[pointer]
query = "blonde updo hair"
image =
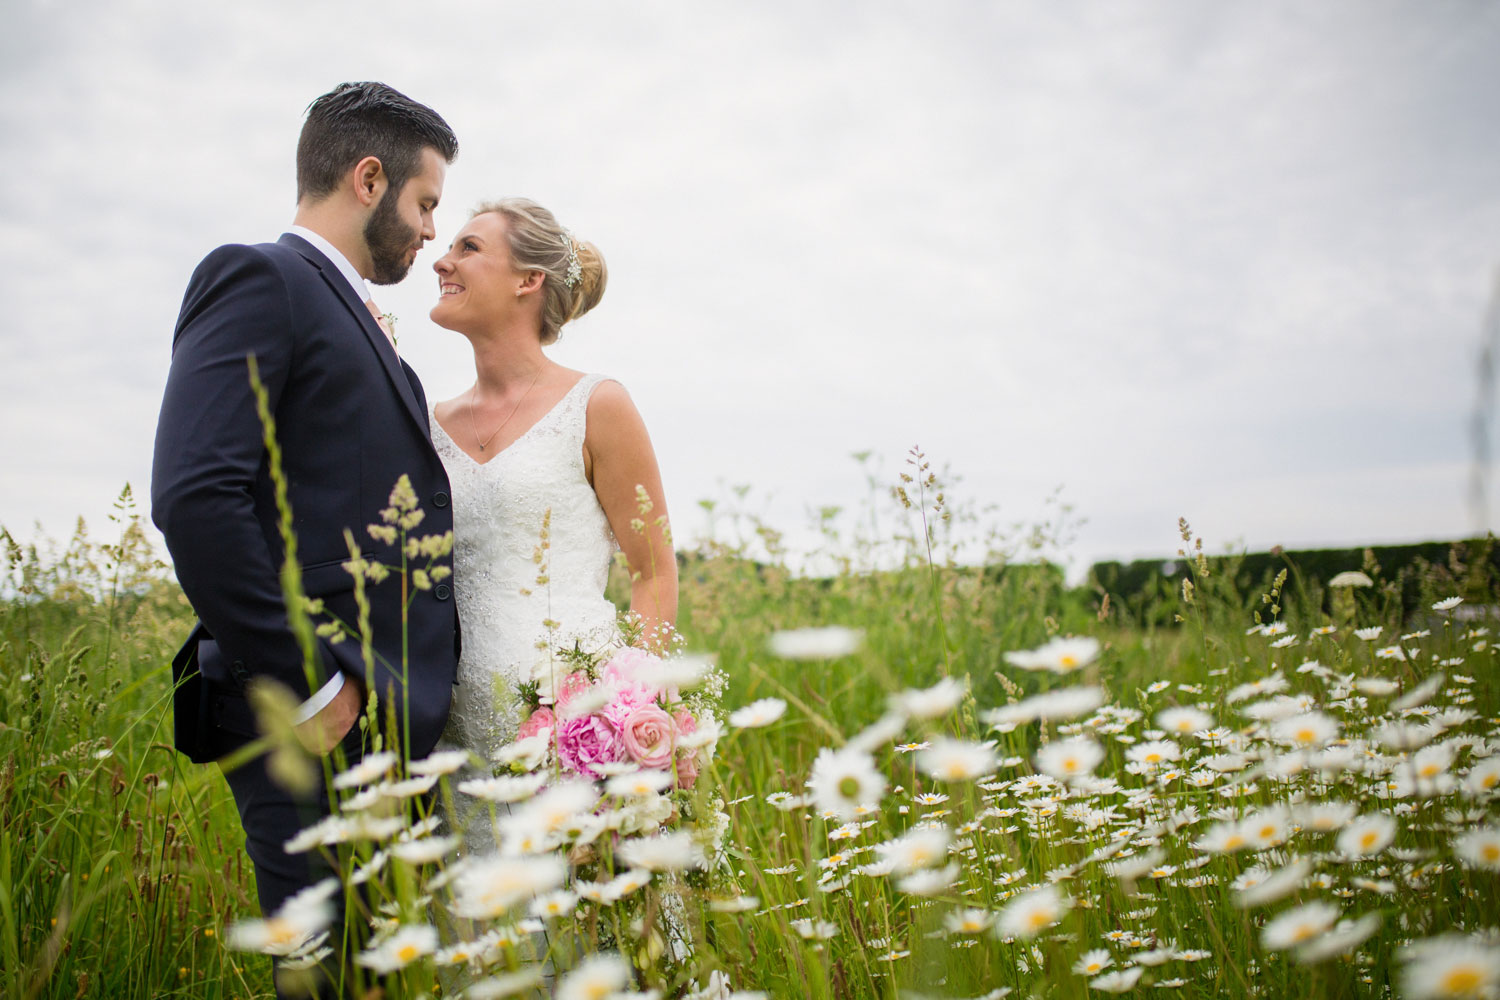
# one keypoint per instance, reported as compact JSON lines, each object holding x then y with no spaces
{"x":538,"y":242}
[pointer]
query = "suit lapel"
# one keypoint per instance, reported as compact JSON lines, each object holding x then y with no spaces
{"x":361,"y":315}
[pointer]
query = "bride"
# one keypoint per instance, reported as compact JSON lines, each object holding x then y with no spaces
{"x":550,"y":469}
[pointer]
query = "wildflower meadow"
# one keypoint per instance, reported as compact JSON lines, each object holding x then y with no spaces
{"x":912,"y":761}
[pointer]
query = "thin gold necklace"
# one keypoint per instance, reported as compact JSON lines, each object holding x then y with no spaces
{"x":475,"y":427}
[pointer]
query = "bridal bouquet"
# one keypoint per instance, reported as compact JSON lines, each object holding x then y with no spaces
{"x":601,"y":717}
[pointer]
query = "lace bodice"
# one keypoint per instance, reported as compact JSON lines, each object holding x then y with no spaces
{"x":499,"y":508}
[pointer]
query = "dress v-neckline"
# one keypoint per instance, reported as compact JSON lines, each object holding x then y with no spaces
{"x":523,"y":435}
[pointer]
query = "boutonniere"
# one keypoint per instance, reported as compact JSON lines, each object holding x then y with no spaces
{"x":389,"y":319}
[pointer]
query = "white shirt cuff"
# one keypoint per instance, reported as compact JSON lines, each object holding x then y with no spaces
{"x":320,"y":698}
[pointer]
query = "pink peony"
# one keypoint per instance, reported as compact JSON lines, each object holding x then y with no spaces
{"x":650,"y":736}
{"x":541,"y":719}
{"x":587,"y":741}
{"x":625,"y":703}
{"x":571,"y":687}
{"x":624,"y":670}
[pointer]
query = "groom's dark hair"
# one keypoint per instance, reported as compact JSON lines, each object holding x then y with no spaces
{"x":355,"y":120}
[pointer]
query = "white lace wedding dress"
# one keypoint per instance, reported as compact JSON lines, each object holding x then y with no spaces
{"x":511,"y":622}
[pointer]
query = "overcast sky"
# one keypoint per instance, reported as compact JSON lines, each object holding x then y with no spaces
{"x":1226,"y":260}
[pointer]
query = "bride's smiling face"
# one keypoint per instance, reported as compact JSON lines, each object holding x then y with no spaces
{"x":477,"y":284}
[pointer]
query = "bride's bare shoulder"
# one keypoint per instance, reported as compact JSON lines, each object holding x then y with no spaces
{"x":609,"y":400}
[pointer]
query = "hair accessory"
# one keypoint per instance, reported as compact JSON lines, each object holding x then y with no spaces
{"x":575,"y":270}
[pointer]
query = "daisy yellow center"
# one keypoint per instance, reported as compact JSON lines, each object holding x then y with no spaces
{"x":1431,"y":770}
{"x":971,"y":925}
{"x":1306,"y":736}
{"x":279,"y":932}
{"x":1368,"y":839}
{"x":1490,"y":852}
{"x":1153,"y":757}
{"x":1460,"y":981}
{"x":1093,"y":967}
{"x":1070,"y":763}
{"x":1490,"y":780}
{"x":407,"y":952}
{"x":1039,"y":919}
{"x":1304,"y":932}
{"x":849,"y":787}
{"x":1232,"y":841}
{"x":1067,"y":661}
{"x":1267,"y":832}
{"x":956,"y":769}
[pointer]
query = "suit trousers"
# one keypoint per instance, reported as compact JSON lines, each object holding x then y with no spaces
{"x":271,"y":816}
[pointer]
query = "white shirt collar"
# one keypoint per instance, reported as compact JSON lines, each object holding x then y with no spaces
{"x":341,"y":262}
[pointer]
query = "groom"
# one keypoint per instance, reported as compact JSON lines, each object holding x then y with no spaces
{"x":351,"y":418}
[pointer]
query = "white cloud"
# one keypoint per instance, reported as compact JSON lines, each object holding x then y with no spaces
{"x":1184,"y":260}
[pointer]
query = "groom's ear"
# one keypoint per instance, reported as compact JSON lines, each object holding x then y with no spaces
{"x":370,"y":180}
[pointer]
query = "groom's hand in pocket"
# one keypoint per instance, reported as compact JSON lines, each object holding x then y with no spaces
{"x":324,"y":731}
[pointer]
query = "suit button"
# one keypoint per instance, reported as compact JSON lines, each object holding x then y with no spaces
{"x":440,"y":499}
{"x":240,"y":671}
{"x":441,"y":592}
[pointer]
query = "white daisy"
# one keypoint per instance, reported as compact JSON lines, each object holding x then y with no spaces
{"x":493,"y":884}
{"x":367,"y":770}
{"x":1070,"y":759}
{"x":1060,"y":656}
{"x":400,"y":949}
{"x":827,"y":643}
{"x":1450,"y":966}
{"x":930,"y":703}
{"x":1479,"y":848}
{"x":1340,"y":940}
{"x":1298,"y":925}
{"x":1120,"y":981}
{"x":1369,"y":834}
{"x":843,"y":780}
{"x":918,"y":848}
{"x":595,"y":978}
{"x":1028,"y":914}
{"x":1184,"y":720}
{"x":440,"y":762}
{"x":662,"y":852}
{"x":957,"y":760}
{"x":757,"y":713}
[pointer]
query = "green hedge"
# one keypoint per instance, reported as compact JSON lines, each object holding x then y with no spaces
{"x":1412,"y":575}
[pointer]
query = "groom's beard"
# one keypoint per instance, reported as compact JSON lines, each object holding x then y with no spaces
{"x":389,"y":239}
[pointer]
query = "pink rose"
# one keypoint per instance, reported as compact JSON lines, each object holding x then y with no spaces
{"x":585,"y":742}
{"x":687,"y":769}
{"x":687,"y":764}
{"x":650,"y":736}
{"x":541,"y":719}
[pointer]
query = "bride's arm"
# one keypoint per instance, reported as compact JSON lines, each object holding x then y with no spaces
{"x":618,"y":460}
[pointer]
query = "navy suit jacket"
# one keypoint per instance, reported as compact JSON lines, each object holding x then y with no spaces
{"x":351,"y":418}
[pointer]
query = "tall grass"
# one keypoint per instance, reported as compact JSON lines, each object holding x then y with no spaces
{"x":120,"y":867}
{"x":119,"y":862}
